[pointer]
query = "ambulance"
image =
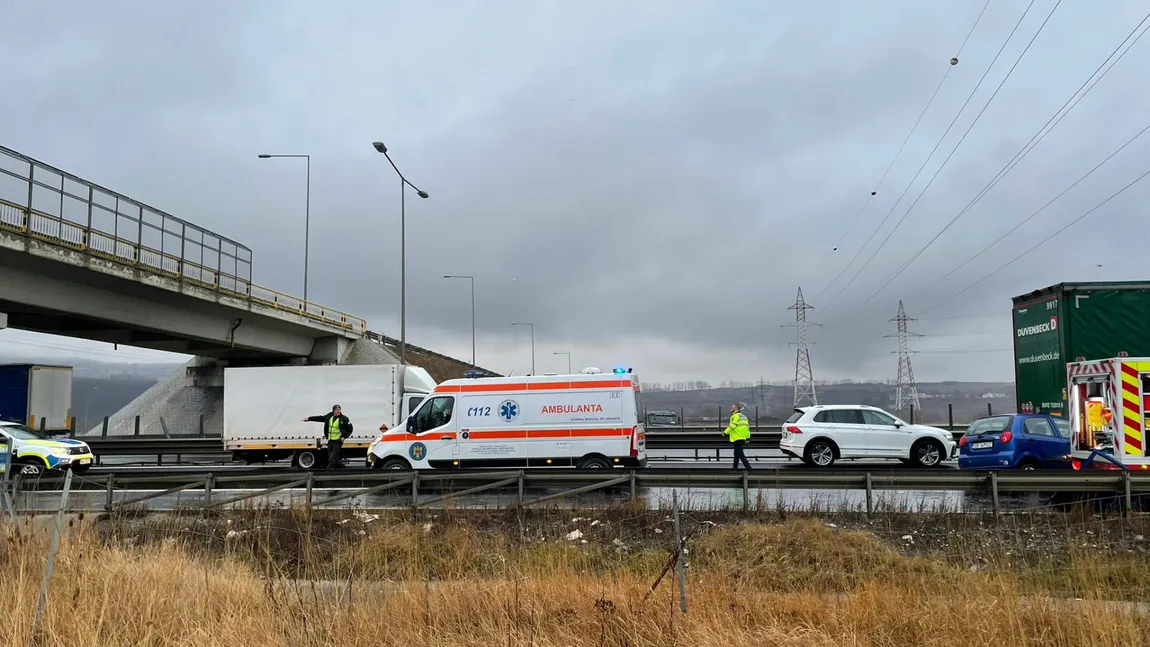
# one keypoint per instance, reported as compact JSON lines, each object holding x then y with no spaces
{"x":1108,"y":405}
{"x":589,"y":420}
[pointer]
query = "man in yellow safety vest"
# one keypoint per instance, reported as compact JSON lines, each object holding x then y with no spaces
{"x":738,"y":431}
{"x":336,"y":427}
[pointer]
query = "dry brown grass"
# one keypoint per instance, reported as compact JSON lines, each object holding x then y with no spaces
{"x":797,"y":582}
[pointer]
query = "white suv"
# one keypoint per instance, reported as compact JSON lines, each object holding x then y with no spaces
{"x":821,"y":435}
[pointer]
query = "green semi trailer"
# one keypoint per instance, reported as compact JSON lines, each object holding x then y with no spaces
{"x":1072,"y":322}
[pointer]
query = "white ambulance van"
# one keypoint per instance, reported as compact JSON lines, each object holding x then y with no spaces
{"x":588,"y":420}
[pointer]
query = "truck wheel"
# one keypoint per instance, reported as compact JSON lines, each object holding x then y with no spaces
{"x":395,"y":464}
{"x":307,"y":459}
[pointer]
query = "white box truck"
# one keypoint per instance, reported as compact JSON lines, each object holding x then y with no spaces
{"x":264,"y":408}
{"x":37,"y":396}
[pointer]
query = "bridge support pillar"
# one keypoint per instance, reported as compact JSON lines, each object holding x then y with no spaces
{"x":328,"y":350}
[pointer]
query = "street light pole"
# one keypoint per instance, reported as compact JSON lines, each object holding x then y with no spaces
{"x":403,"y":184}
{"x":472,"y":280}
{"x":306,"y":218}
{"x":568,"y":361}
{"x":532,"y":327}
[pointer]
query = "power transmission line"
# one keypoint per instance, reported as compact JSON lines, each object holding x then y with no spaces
{"x":976,"y":350}
{"x":1017,"y":226}
{"x":894,"y":206}
{"x":1038,"y":136}
{"x":958,"y":144}
{"x":1040,"y":243}
{"x":897,"y":154}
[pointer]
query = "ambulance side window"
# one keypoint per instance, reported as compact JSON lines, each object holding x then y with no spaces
{"x":434,"y":413}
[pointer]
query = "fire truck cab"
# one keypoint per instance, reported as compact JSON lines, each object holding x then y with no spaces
{"x":1109,"y":402}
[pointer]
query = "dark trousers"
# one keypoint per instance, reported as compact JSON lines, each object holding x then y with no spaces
{"x":739,"y":455}
{"x":334,"y":449}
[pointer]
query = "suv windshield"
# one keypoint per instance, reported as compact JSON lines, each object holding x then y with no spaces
{"x":20,"y":432}
{"x":992,"y":425}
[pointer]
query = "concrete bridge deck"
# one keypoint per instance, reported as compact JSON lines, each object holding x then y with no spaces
{"x":80,"y":260}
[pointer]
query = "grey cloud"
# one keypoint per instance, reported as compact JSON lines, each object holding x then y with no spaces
{"x":651,"y":183}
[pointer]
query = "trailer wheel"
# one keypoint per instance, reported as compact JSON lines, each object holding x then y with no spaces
{"x":307,"y":459}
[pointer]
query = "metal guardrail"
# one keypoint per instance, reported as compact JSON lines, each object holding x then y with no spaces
{"x":572,"y":482}
{"x":57,"y":207}
{"x":690,"y":437}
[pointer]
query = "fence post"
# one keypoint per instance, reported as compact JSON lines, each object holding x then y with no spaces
{"x":994,"y":492}
{"x":137,"y":424}
{"x":7,"y":496}
{"x":201,"y":425}
{"x":680,"y":571}
{"x":950,"y":416}
{"x":39,"y":620}
{"x":869,"y":495}
{"x":912,"y":414}
{"x":989,"y":409}
{"x":682,"y":419}
{"x":1127,"y":498}
{"x":756,"y":418}
{"x":209,"y":484}
{"x":634,"y":487}
{"x":308,"y":490}
{"x":104,"y":428}
{"x":110,"y":492}
{"x":43,"y":425}
{"x":522,"y":487}
{"x":746,"y":493}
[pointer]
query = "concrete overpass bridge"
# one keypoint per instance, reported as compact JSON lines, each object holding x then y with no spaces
{"x":80,"y":260}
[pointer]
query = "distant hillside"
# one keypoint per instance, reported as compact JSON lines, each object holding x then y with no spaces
{"x":774,"y":402}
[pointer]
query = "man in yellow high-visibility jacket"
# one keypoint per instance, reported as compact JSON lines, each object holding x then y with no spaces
{"x":738,"y":431}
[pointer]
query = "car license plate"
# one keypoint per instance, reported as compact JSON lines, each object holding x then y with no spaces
{"x":85,"y":461}
{"x":983,"y":445}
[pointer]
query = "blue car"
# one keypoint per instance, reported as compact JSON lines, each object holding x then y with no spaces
{"x":1023,"y":441}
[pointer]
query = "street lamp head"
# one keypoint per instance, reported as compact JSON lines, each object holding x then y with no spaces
{"x":423,"y":194}
{"x":264,"y":156}
{"x":380,"y":147}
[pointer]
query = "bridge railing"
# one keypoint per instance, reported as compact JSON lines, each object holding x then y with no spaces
{"x":51,"y":205}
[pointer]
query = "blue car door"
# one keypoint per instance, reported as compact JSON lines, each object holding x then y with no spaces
{"x":1043,"y":440}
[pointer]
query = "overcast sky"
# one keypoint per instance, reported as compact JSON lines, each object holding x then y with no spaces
{"x":647,"y":182}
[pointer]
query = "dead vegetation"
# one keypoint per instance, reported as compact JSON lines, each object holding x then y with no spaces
{"x":556,"y":577}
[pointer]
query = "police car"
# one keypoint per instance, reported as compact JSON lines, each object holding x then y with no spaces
{"x":33,"y":453}
{"x":588,"y":420}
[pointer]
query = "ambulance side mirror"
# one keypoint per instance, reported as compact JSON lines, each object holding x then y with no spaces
{"x":412,"y":425}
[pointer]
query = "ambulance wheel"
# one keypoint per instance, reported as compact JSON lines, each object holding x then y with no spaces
{"x":594,"y":463}
{"x":307,"y":459}
{"x":396,"y":464}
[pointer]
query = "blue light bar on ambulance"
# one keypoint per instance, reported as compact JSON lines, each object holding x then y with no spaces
{"x":620,"y":371}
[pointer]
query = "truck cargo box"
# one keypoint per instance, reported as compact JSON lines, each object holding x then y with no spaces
{"x":1073,"y":322}
{"x":264,"y":406}
{"x":37,"y":395}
